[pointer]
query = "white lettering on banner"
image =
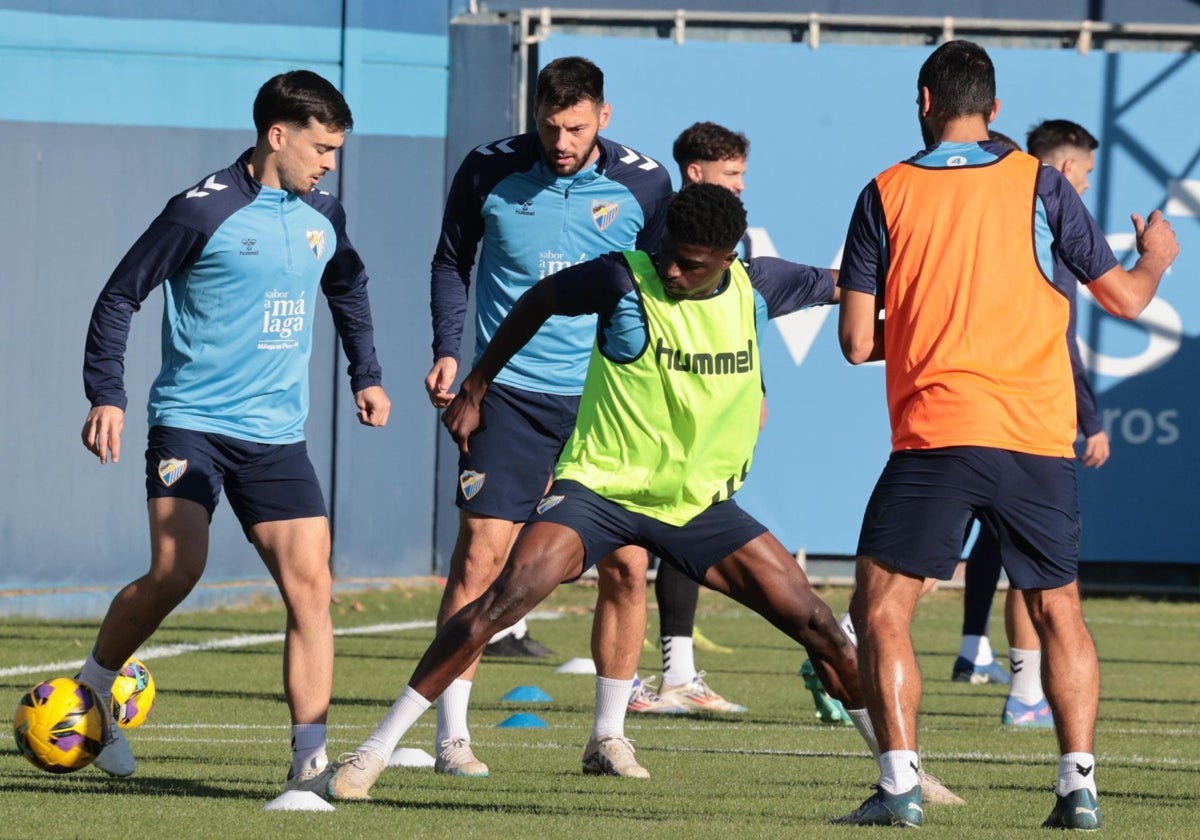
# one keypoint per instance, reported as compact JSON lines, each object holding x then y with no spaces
{"x":1138,"y":426}
{"x":1183,"y":198}
{"x":798,"y":329}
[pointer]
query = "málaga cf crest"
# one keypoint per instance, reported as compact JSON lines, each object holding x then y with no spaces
{"x":548,"y":502}
{"x":471,"y":483}
{"x":604,"y":213}
{"x":316,"y":242}
{"x":171,"y":470}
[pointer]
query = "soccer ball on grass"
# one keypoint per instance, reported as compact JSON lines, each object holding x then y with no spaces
{"x":132,"y":694}
{"x":59,"y":725}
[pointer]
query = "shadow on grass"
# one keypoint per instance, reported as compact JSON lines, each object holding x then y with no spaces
{"x":610,"y":808}
{"x":37,"y":628}
{"x":93,"y":783}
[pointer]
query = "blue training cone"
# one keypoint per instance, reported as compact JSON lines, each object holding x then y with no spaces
{"x":525,"y":720}
{"x":527,"y":694}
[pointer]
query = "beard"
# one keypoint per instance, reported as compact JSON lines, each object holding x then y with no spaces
{"x":296,"y":184}
{"x":927,"y":133}
{"x":576,"y":163}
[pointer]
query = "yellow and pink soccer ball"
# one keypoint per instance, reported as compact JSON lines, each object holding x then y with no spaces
{"x":132,"y":694}
{"x":59,"y":725}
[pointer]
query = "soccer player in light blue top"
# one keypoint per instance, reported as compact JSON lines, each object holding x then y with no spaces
{"x":242,"y":255}
{"x":530,"y":206}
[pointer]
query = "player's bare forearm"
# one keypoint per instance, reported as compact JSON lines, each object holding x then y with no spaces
{"x":860,"y":329}
{"x":1126,"y":293}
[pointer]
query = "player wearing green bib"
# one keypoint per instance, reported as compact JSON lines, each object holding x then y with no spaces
{"x":637,"y":449}
{"x":666,"y":428}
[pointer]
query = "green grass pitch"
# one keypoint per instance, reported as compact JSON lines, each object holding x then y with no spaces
{"x":215,"y":749}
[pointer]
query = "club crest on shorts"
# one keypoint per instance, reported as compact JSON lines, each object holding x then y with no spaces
{"x":471,"y":483}
{"x":604,"y":213}
{"x":171,"y":470}
{"x":316,"y":242}
{"x":548,"y":502}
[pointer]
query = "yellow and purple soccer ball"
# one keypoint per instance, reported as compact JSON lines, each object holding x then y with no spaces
{"x":59,"y":725}
{"x":132,"y":694}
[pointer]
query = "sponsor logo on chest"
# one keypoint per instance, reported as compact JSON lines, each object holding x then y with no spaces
{"x":284,"y":318}
{"x":706,"y":363}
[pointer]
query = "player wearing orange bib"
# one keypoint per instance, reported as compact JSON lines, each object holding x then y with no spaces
{"x":957,"y":245}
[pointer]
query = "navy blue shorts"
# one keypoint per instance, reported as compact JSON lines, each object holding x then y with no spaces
{"x":513,"y":452}
{"x":924,"y":501}
{"x":605,"y":526}
{"x":264,"y":482}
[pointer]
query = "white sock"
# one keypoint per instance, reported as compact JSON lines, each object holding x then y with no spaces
{"x":977,"y":649}
{"x":848,"y":628}
{"x":862,"y":722}
{"x":404,"y":713}
{"x":1075,"y":771}
{"x":452,"y":712}
{"x":899,"y":771}
{"x":99,"y":679}
{"x":679,"y":660}
{"x":308,"y":747}
{"x":518,"y":631}
{"x":612,"y":699}
{"x":1026,"y":667}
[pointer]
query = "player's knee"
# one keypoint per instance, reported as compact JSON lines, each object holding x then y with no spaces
{"x":877,"y":616}
{"x":820,"y":625}
{"x":857,"y":609}
{"x":507,"y":603}
{"x":308,"y":594}
{"x":1059,"y":606}
{"x":621,"y":580}
{"x":480,"y":566}
{"x":176,"y":581}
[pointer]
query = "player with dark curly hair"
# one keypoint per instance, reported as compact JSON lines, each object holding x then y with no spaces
{"x":664,"y":437}
{"x":693,"y":219}
{"x":708,"y":153}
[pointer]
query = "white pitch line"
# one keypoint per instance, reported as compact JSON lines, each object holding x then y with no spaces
{"x":165,"y":651}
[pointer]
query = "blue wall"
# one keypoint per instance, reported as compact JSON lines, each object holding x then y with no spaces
{"x":108,"y":107}
{"x":822,"y":124}
{"x":106,"y":110}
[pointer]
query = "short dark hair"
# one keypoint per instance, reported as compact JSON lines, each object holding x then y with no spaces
{"x":961,"y":80}
{"x":567,"y":81}
{"x":708,"y":215}
{"x":709,"y":141}
{"x":298,"y":96}
{"x":1051,"y":135}
{"x":1003,"y":140}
